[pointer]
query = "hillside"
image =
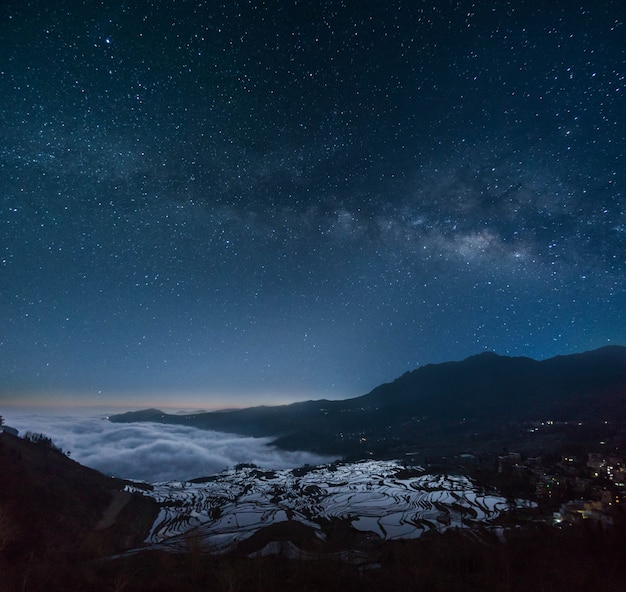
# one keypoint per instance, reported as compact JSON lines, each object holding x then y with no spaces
{"x":447,"y":403}
{"x":500,"y":387}
{"x":54,"y":511}
{"x":368,"y":502}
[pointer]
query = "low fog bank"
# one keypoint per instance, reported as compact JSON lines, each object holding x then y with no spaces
{"x":155,"y":452}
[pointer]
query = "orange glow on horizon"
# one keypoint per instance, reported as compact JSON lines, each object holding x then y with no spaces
{"x":53,"y":401}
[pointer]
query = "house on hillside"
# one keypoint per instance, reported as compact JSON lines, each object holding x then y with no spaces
{"x":576,"y":511}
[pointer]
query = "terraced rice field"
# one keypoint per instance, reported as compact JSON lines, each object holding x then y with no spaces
{"x":377,"y":497}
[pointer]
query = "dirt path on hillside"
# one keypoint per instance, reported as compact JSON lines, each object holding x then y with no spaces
{"x":120,"y":499}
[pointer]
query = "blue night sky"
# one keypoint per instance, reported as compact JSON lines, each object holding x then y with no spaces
{"x":253,"y":202}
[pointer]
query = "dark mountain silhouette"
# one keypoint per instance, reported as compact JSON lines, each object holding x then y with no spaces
{"x":485,"y":391}
{"x":499,"y":387}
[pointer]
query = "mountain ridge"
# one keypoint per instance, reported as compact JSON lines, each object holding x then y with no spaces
{"x":486,"y":389}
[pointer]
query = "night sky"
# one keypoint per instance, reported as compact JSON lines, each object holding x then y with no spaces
{"x":223,"y":204}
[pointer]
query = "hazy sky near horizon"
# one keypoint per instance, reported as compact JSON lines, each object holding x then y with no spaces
{"x":227,"y":203}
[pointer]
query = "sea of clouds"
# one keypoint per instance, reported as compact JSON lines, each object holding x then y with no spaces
{"x":155,"y":452}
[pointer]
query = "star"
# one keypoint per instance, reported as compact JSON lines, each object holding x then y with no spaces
{"x":188,"y":192}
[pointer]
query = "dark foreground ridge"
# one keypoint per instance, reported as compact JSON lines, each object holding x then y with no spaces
{"x":482,"y":402}
{"x":57,"y":513}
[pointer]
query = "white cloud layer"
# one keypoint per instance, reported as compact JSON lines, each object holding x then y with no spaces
{"x":155,"y":452}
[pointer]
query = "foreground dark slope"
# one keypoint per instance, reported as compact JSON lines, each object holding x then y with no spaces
{"x":485,"y":390}
{"x":56,"y":512}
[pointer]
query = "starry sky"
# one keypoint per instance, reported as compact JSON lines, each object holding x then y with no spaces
{"x":219,"y":204}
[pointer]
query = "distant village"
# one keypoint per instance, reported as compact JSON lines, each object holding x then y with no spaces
{"x":584,"y":488}
{"x":571,"y":488}
{"x":588,"y":486}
